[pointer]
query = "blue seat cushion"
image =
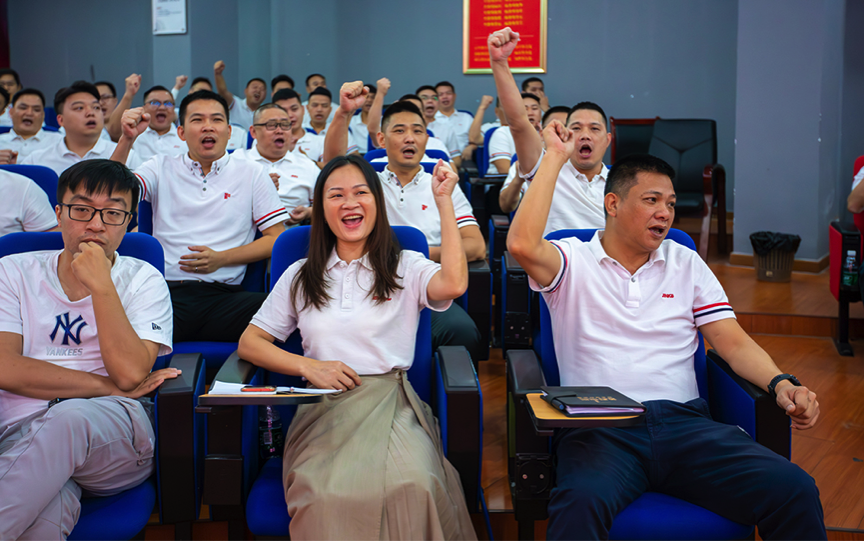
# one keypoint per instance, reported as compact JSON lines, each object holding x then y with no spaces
{"x":658,"y":516}
{"x":120,"y":516}
{"x":266,"y":510}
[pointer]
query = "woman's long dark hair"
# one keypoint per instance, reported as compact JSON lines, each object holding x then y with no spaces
{"x":311,"y":284}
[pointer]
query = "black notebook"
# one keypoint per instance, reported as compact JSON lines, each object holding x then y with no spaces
{"x":591,"y":402}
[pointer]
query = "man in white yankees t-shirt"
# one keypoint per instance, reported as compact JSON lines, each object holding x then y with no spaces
{"x":87,"y":324}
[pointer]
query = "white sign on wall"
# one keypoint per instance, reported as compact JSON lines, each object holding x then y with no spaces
{"x":169,"y":17}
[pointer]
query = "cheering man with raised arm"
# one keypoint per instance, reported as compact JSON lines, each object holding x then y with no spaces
{"x":625,"y":309}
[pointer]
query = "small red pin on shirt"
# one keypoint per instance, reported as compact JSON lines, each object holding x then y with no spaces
{"x":423,"y":207}
{"x":226,"y":195}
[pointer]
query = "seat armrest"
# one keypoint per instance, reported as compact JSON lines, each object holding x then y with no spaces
{"x":459,"y":409}
{"x":500,"y":221}
{"x":180,"y":441}
{"x":236,"y":370}
{"x":736,"y":401}
{"x":524,"y":371}
{"x":478,"y":304}
{"x":489,"y":179}
{"x":470,"y":167}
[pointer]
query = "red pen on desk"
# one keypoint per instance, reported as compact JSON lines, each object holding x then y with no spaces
{"x":254,"y":389}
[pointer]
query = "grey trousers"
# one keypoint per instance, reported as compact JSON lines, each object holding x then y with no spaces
{"x":99,"y":445}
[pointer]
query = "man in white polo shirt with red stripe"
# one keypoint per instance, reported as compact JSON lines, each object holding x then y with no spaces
{"x":625,"y":310}
{"x":206,"y":210}
{"x":409,"y":198}
{"x":579,"y":201}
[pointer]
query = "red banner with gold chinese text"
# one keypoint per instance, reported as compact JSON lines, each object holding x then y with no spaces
{"x":483,"y":17}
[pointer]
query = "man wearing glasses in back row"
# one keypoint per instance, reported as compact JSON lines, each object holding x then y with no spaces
{"x":160,"y":137}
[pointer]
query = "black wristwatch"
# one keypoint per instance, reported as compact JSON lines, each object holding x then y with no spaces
{"x":778,"y":379}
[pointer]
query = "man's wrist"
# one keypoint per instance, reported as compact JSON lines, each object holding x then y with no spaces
{"x":780,"y":381}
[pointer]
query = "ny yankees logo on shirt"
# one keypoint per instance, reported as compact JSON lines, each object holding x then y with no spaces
{"x":68,"y":328}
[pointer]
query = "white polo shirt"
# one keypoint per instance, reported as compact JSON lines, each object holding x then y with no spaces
{"x":6,"y":118}
{"x":373,"y":338}
{"x":238,"y":138}
{"x":358,"y":134}
{"x":102,"y":135}
{"x":444,"y":132}
{"x":24,"y":205}
{"x":297,"y":175}
{"x":459,"y":123}
{"x":487,"y":126}
{"x":59,"y":331}
{"x":239,"y":113}
{"x":59,"y":158}
{"x":150,"y":143}
{"x":577,"y":203}
{"x":42,"y":139}
{"x":502,"y":147}
{"x":414,"y":205}
{"x":220,"y":210}
{"x":636,"y":334}
{"x":311,"y":145}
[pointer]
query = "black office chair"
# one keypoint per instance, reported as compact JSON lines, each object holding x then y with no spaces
{"x":690,"y":146}
{"x":630,"y":136}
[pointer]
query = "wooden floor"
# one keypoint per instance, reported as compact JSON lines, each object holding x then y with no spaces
{"x":794,"y":323}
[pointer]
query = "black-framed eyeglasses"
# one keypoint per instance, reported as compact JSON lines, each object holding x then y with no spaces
{"x":156,"y":103}
{"x":271,"y":125}
{"x":85,"y":213}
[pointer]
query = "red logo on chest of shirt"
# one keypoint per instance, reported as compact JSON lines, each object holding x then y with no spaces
{"x":376,"y":298}
{"x":423,"y":207}
{"x":226,"y":195}
{"x":666,"y":295}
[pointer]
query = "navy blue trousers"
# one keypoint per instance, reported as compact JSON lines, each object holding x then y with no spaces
{"x":682,"y":452}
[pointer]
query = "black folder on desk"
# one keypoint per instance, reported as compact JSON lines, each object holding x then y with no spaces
{"x":588,"y":402}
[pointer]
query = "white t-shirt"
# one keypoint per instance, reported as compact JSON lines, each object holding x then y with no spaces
{"x":240,"y":113}
{"x":6,"y":118}
{"x":501,"y":148}
{"x":55,"y":329}
{"x":458,"y":123}
{"x":59,"y":158}
{"x":577,"y":203}
{"x":373,"y":338}
{"x":220,"y":210}
{"x":24,"y":205}
{"x":24,"y":147}
{"x":414,"y":205}
{"x":636,"y":334}
{"x":238,"y":138}
{"x":150,"y":143}
{"x":297,"y":175}
{"x":858,"y":177}
{"x":486,"y":126}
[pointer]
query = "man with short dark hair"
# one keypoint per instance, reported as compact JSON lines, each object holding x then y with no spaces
{"x":279,"y":82}
{"x":160,"y":137}
{"x":241,"y":110}
{"x":357,"y":129}
{"x":625,"y":310}
{"x":293,"y":174}
{"x":308,"y":144}
{"x":207,"y":208}
{"x":79,"y":113}
{"x":107,"y":99}
{"x":457,"y":122}
{"x":579,"y":201}
{"x":11,"y":84}
{"x":535,"y":86}
{"x":319,"y":109}
{"x":26,"y":136}
{"x":80,"y":329}
{"x":430,"y":107}
{"x":313,"y":81}
{"x":408,"y":197}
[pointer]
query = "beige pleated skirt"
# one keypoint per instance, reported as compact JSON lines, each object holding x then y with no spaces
{"x":368,"y":464}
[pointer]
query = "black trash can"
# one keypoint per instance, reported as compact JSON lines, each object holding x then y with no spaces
{"x":773,"y":255}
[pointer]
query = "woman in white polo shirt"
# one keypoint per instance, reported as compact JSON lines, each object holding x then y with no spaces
{"x":366,"y":463}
